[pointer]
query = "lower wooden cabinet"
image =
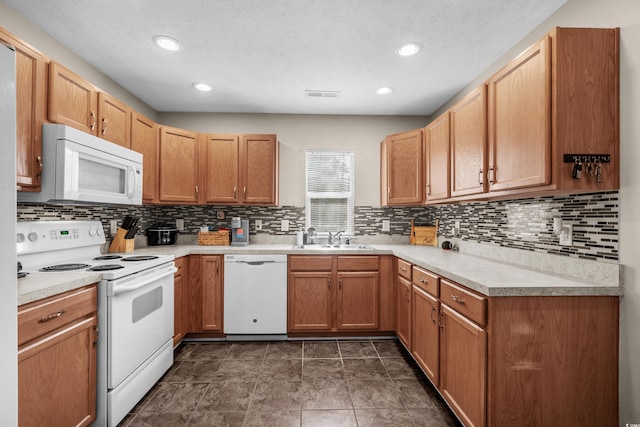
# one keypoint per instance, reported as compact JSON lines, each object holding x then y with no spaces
{"x":57,"y":359}
{"x":425,"y":345}
{"x":333,"y":293}
{"x":179,"y":324}
{"x":203,"y":294}
{"x":403,"y":302}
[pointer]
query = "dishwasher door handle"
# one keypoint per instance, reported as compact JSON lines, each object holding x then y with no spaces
{"x":255,"y":262}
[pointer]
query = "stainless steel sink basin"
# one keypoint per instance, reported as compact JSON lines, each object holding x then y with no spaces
{"x":315,"y":247}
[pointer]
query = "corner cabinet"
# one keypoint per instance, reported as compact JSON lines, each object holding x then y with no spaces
{"x":30,"y":112}
{"x":57,"y":359}
{"x":402,"y":169}
{"x":403,"y":303}
{"x":178,"y":166}
{"x":240,"y":169}
{"x":179,"y":279}
{"x":437,"y":154}
{"x":333,"y":293}
{"x":144,"y":140}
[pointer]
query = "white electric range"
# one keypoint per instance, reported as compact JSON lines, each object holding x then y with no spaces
{"x":135,"y":307}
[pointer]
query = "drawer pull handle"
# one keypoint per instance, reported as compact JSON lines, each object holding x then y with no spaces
{"x":404,"y":270}
{"x":422,"y":280}
{"x":433,"y":311}
{"x":457,"y":299}
{"x":52,"y":316}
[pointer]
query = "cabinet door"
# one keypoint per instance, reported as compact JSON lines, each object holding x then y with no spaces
{"x":404,"y":164}
{"x":178,"y":301}
{"x":144,"y":140}
{"x":178,"y":166}
{"x":463,"y":366}
{"x":310,"y":296}
{"x":221,"y":177}
{"x":114,"y":120}
{"x":520,"y":121}
{"x":57,"y":377}
{"x":30,"y":111}
{"x":212,"y":297}
{"x":72,"y":100}
{"x":358,"y":300}
{"x":426,"y":333}
{"x":403,"y":311}
{"x":469,"y":144}
{"x":437,"y":158}
{"x":259,"y":169}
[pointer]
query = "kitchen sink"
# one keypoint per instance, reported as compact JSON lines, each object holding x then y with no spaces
{"x":333,"y":247}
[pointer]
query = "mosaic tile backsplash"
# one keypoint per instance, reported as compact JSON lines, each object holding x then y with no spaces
{"x":525,"y":224}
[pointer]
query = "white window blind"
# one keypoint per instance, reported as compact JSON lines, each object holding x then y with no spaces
{"x":329,"y":191}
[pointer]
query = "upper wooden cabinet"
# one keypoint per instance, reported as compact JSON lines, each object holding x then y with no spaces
{"x":437,"y":158}
{"x":114,"y":120}
{"x":240,"y":169}
{"x":468,"y":128}
{"x":559,"y":97}
{"x":178,"y":166}
{"x":30,"y":112}
{"x":75,"y":102}
{"x":401,"y":169}
{"x":144,"y":140}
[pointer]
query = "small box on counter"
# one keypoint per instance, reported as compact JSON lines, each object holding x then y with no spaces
{"x":214,"y":238}
{"x":423,"y":234}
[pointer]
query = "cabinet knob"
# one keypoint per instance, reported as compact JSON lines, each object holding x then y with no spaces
{"x":235,"y":191}
{"x":480,"y":177}
{"x":104,"y":125}
{"x":457,"y":299}
{"x":93,"y":120}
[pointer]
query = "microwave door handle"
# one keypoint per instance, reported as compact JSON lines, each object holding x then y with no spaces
{"x":131,"y":184}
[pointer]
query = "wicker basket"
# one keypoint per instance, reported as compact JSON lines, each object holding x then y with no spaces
{"x":214,"y":238}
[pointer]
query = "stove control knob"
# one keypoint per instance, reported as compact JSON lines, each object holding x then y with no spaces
{"x":33,"y":236}
{"x":99,"y":231}
{"x":20,"y":238}
{"x":92,"y":232}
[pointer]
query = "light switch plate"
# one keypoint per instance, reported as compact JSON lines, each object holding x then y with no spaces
{"x":566,"y":235}
{"x":258,"y":224}
{"x":114,"y":226}
{"x":180,"y":224}
{"x":284,"y":225}
{"x":386,"y":225}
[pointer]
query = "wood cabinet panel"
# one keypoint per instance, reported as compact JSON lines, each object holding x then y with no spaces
{"x":464,"y":301}
{"x":402,"y":169}
{"x":259,"y":169}
{"x":114,"y":120}
{"x":463,"y":366}
{"x":358,"y":263}
{"x":469,"y":144}
{"x":212,"y":293}
{"x":179,"y":330}
{"x":221,"y":155}
{"x":426,"y":333}
{"x":72,"y":100}
{"x":426,"y":281}
{"x":30,"y":111}
{"x":403,"y":311}
{"x":310,"y":301}
{"x":357,"y":303}
{"x":403,"y":268}
{"x":520,"y":121}
{"x":387,"y":293}
{"x":311,"y":263}
{"x":144,"y":140}
{"x":437,"y":159}
{"x":178,"y":166}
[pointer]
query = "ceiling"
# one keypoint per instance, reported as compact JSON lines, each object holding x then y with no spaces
{"x":260,"y":56}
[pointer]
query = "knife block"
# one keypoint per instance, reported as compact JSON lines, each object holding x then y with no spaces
{"x":120,"y":244}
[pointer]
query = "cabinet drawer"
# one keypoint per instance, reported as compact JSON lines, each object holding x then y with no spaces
{"x":180,"y":266}
{"x":426,"y":281}
{"x":310,"y":263}
{"x":464,"y":301}
{"x":404,"y":269}
{"x":358,"y":263}
{"x":41,"y":317}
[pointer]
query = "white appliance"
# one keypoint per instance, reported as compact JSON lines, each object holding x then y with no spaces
{"x":135,"y":307}
{"x":82,"y":168}
{"x":255,"y":297}
{"x":9,"y":289}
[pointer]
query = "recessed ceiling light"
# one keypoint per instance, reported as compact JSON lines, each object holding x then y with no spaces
{"x":385,"y":90}
{"x":167,"y":42}
{"x":409,"y":49}
{"x":203,"y":87}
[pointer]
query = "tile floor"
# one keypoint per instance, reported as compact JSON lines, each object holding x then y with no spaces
{"x":292,"y":383}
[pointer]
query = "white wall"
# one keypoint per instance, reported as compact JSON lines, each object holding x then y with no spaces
{"x":20,"y":27}
{"x":626,"y":15}
{"x":361,"y":134}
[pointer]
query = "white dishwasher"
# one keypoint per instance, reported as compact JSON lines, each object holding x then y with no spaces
{"x":255,"y":297}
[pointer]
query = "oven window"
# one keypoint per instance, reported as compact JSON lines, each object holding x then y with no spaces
{"x":98,"y":176}
{"x":146,"y":304}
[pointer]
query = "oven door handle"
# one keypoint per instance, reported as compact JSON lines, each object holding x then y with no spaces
{"x":121,"y":289}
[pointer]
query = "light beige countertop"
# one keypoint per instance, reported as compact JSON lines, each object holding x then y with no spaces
{"x":487,"y":276}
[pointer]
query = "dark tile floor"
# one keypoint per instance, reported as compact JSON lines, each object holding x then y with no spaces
{"x":292,"y":383}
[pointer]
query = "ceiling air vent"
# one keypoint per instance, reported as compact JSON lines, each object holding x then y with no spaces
{"x":322,"y":93}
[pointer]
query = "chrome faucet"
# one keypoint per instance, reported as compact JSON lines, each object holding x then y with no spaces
{"x":337,"y":236}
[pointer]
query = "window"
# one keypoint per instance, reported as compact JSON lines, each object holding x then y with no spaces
{"x":329,"y":191}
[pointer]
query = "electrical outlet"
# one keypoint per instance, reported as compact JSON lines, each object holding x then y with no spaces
{"x":386,"y":225}
{"x":180,"y":224}
{"x":258,"y":224}
{"x":114,"y":226}
{"x":284,"y":225}
{"x":566,"y":235}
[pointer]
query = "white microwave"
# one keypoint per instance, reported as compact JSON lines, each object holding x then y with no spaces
{"x":81,"y":168}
